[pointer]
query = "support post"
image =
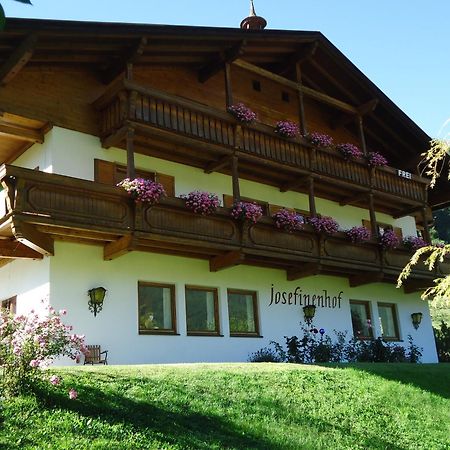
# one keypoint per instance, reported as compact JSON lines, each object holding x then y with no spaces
{"x":426,"y":229}
{"x":301,"y":103}
{"x":362,"y":138}
{"x":131,"y":170}
{"x":373,"y":218}
{"x":228,"y":86}
{"x":235,"y":177}
{"x":312,"y":199}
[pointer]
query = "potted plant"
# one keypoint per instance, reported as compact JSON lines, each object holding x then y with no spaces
{"x":358,"y":234}
{"x":246,"y":211}
{"x":202,"y":202}
{"x":326,"y":225}
{"x":375,"y":159}
{"x":242,"y":113}
{"x":289,"y":221}
{"x":142,"y":190}
{"x":349,"y":151}
{"x":389,"y":240}
{"x":319,"y":139}
{"x":287,"y":129}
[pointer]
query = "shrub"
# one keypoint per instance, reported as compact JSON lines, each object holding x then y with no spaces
{"x":30,"y":343}
{"x":242,"y":113}
{"x":349,"y":151}
{"x":142,"y":190}
{"x":358,"y":234}
{"x":287,"y":129}
{"x":320,"y":139}
{"x":266,"y":354}
{"x":324,"y":224}
{"x":288,"y":220}
{"x":202,"y":202}
{"x":413,"y":243}
{"x":376,"y":159}
{"x":246,"y":211}
{"x":442,"y":337}
{"x":389,"y":240}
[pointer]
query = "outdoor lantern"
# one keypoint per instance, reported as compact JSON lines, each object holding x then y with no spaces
{"x":96,"y":297}
{"x":309,"y":311}
{"x":416,"y":319}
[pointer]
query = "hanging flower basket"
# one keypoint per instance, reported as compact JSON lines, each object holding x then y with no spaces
{"x":325,"y":225}
{"x":242,"y":113}
{"x":246,"y":211}
{"x":358,"y":234}
{"x":349,"y":151}
{"x":202,"y":202}
{"x":287,"y":129}
{"x":319,"y":139}
{"x":142,"y":190}
{"x":288,"y":220}
{"x":376,"y":159}
{"x":413,"y":243}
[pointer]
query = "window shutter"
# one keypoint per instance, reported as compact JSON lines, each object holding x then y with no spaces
{"x":168,"y":183}
{"x":104,"y":171}
{"x":227,"y":201}
{"x":366,"y":223}
{"x":399,"y":233}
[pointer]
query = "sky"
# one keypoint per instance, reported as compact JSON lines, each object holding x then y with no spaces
{"x":403,"y":46}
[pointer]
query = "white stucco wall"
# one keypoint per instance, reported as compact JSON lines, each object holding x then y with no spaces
{"x":76,"y":268}
{"x":29,"y":280}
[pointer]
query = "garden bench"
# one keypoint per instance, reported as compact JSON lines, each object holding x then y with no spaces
{"x":95,"y":355}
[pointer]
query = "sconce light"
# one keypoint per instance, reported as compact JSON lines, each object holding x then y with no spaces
{"x":96,"y":297}
{"x":309,"y":311}
{"x":416,"y":319}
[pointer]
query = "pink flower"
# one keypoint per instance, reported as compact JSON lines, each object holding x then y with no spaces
{"x":34,"y":363}
{"x":55,"y":380}
{"x":73,"y":394}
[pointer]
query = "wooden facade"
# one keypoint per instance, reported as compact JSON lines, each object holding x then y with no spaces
{"x":163,"y":91}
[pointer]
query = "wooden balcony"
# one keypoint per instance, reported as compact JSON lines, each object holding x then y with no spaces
{"x":45,"y":207}
{"x":175,"y":128}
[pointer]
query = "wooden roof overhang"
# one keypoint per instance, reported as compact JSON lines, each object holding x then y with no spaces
{"x":107,"y":47}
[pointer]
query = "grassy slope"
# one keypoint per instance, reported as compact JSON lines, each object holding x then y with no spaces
{"x":240,"y":406}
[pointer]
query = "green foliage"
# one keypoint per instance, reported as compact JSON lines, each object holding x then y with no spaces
{"x":237,"y":406}
{"x":442,"y":224}
{"x":442,"y":336}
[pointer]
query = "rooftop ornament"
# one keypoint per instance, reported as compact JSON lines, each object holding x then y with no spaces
{"x":253,"y":22}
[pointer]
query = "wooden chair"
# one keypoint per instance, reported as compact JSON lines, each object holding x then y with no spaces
{"x":95,"y":355}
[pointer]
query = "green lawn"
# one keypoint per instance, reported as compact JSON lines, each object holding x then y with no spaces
{"x":237,"y":406}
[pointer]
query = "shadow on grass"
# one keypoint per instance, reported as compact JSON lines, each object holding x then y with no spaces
{"x":434,"y":378}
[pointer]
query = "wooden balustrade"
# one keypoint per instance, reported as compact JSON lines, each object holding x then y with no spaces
{"x":65,"y":207}
{"x":188,"y":118}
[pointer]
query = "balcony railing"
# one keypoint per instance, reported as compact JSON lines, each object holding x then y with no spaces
{"x":63,"y":207}
{"x":130,"y":102}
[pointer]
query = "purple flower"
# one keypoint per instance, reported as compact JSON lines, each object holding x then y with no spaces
{"x":143,"y":190}
{"x":287,"y":129}
{"x":389,"y":240}
{"x":413,"y":243}
{"x":358,"y":234}
{"x":320,"y":139}
{"x":242,"y":113}
{"x":288,"y":220}
{"x":246,"y":211}
{"x":349,"y":151}
{"x":202,"y":202}
{"x":325,"y":225}
{"x":376,"y":159}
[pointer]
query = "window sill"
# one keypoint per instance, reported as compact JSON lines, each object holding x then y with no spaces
{"x":199,"y":333}
{"x":392,"y":339}
{"x":245,"y":335}
{"x":158,"y":332}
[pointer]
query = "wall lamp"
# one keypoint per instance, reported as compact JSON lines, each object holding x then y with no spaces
{"x":416,"y":318}
{"x":96,"y":297}
{"x":309,"y":311}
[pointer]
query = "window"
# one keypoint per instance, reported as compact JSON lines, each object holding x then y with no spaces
{"x":388,"y":321}
{"x":10,"y":304}
{"x":156,"y":303}
{"x":361,"y":319}
{"x":202,"y":312}
{"x":242,"y":313}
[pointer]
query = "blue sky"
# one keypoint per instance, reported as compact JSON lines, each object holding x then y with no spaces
{"x":403,"y":46}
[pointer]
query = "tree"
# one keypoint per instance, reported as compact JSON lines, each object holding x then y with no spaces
{"x":437,"y":160}
{"x":2,"y":13}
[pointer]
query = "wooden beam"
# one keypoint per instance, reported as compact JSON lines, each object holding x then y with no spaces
{"x":301,"y":101}
{"x":18,"y":59}
{"x":16,"y":250}
{"x":365,"y":278}
{"x":228,"y":85}
{"x":299,"y":57}
{"x":227,"y":57}
{"x":368,"y":107}
{"x":294,"y":184}
{"x":306,"y":270}
{"x":311,"y":197}
{"x":373,"y":217}
{"x":407,"y":212}
{"x":311,"y":93}
{"x":19,"y":132}
{"x":354,"y":198}
{"x":229,"y":259}
{"x":28,"y":235}
{"x":116,"y":67}
{"x":120,"y":247}
{"x":235,"y":178}
{"x":115,"y":138}
{"x":214,"y":166}
{"x":131,"y":169}
{"x":415,"y":285}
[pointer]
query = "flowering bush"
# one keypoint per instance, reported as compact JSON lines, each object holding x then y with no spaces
{"x":320,"y":139}
{"x":288,"y":220}
{"x":242,"y":113}
{"x":287,"y":129}
{"x":29,"y":343}
{"x":413,"y":243}
{"x":246,"y":211}
{"x":358,"y":234}
{"x":202,"y":202}
{"x":389,"y":240}
{"x":325,"y":225}
{"x":376,"y":159}
{"x":349,"y":151}
{"x":143,"y":190}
